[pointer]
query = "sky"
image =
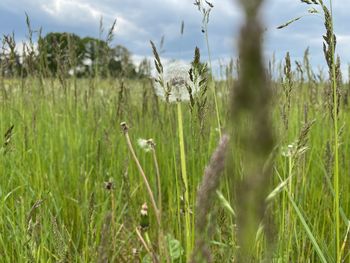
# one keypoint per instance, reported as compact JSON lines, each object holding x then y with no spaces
{"x":139,"y":21}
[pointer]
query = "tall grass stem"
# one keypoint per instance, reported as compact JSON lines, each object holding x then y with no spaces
{"x":188,"y":231}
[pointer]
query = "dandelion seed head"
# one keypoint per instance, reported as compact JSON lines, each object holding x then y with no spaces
{"x":293,"y":150}
{"x":144,"y":144}
{"x":176,"y":79}
{"x":288,"y":151}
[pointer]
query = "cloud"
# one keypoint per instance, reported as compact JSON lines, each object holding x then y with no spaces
{"x":88,"y":14}
{"x":141,"y":21}
{"x":65,"y":11}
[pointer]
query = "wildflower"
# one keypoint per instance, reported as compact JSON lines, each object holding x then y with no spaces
{"x":293,"y":150}
{"x":288,"y":151}
{"x":176,"y":83}
{"x":144,"y":222}
{"x":146,"y":145}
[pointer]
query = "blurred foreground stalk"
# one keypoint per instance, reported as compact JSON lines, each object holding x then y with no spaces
{"x":253,"y":131}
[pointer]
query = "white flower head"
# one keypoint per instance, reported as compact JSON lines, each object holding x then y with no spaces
{"x":176,"y":79}
{"x":288,"y":151}
{"x":144,"y":210}
{"x":293,"y":150}
{"x":146,"y":145}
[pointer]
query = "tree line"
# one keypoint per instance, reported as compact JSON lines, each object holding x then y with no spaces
{"x":67,"y":54}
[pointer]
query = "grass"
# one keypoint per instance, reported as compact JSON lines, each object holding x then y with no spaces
{"x":188,"y":231}
{"x":73,"y":183}
{"x":63,"y":153}
{"x":336,"y":135}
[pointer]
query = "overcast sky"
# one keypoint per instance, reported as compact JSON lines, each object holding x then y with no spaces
{"x":139,"y":21}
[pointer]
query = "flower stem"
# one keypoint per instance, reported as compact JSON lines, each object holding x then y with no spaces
{"x":211,"y":73}
{"x":145,"y":180}
{"x":161,"y":238}
{"x":336,"y":142}
{"x":185,"y":181}
{"x":159,"y":197}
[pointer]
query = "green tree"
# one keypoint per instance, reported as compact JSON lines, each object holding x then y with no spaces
{"x":96,"y":56}
{"x":61,"y":51}
{"x":120,"y":63}
{"x":144,"y":69}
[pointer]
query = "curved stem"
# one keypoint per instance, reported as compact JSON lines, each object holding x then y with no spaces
{"x":145,"y":180}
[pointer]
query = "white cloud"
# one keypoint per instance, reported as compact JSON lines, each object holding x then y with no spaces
{"x":68,"y":10}
{"x":343,"y":39}
{"x":87,"y":14}
{"x":139,"y":21}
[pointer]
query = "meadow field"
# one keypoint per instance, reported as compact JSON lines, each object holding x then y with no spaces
{"x":179,"y":166}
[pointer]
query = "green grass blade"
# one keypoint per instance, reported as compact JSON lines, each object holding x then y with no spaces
{"x":307,"y":229}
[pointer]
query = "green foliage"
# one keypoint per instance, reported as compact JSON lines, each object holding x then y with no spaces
{"x":175,"y":248}
{"x":56,"y":48}
{"x":70,"y":191}
{"x":64,"y":54}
